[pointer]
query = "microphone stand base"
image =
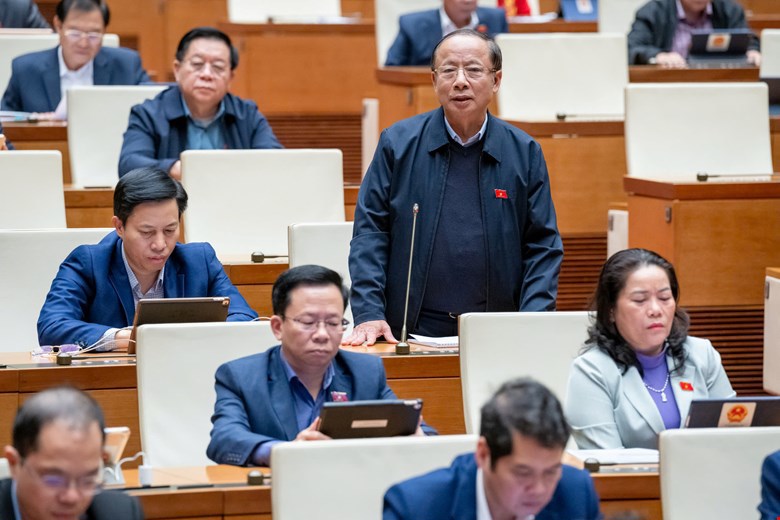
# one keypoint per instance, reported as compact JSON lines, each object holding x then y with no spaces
{"x":402,"y":349}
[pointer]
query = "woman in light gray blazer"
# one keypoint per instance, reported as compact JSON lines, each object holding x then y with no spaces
{"x":639,"y":369}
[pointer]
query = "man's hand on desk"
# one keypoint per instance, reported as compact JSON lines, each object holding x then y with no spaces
{"x":312,"y":433}
{"x":754,"y":57}
{"x":122,"y":339}
{"x":670,"y":60}
{"x":368,"y":332}
{"x":3,"y":146}
{"x":175,"y":171}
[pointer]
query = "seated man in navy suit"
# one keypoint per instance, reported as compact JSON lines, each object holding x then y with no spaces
{"x":770,"y":488}
{"x":56,"y":462}
{"x":93,"y":297}
{"x":21,"y":14}
{"x":198,"y":113}
{"x":277,"y":395}
{"x":39,"y":80}
{"x":515,"y":473}
{"x":418,"y":33}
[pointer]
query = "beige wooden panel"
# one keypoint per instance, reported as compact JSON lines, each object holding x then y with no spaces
{"x":258,"y":296}
{"x":586,"y":175}
{"x":8,"y":404}
{"x":282,"y":74}
{"x":722,"y":248}
{"x":442,"y":401}
{"x":645,"y":509}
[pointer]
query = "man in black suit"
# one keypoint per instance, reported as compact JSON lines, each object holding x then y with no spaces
{"x":57,"y":462}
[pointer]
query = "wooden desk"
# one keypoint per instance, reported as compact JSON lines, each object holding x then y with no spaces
{"x":48,"y":135}
{"x":637,"y":492}
{"x":408,"y":91}
{"x":233,"y":501}
{"x":94,"y":207}
{"x":720,"y":238}
{"x":434,"y":377}
{"x":112,"y":384}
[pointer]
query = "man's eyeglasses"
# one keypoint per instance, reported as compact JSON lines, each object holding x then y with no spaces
{"x":59,"y":483}
{"x":218,"y":68}
{"x":75,"y":35}
{"x":310,"y":324}
{"x":448,"y":72}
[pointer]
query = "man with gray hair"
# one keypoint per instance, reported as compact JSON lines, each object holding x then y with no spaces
{"x":56,"y":462}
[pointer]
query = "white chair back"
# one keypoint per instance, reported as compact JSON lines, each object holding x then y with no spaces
{"x":713,"y":472}
{"x":617,"y":16}
{"x":347,"y":479}
{"x":770,"y":53}
{"x":325,"y":244}
{"x":617,"y":231}
{"x":97,"y":120}
{"x":242,"y":201}
{"x":387,"y":12}
{"x":15,"y":45}
{"x":579,"y":75}
{"x":772,"y":335}
{"x":174,"y":412}
{"x":259,"y":11}
{"x":675,"y":130}
{"x":29,"y":261}
{"x":32,"y":195}
{"x":498,"y":346}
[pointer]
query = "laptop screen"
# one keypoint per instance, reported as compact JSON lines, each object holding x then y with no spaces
{"x":734,"y":412}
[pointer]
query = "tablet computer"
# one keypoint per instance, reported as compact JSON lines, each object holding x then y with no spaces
{"x":178,"y":310}
{"x":359,"y":419}
{"x":734,"y":412}
{"x":720,"y":47}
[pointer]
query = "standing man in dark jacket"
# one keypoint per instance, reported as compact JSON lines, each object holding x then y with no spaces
{"x":661,"y":33}
{"x":487,"y":238}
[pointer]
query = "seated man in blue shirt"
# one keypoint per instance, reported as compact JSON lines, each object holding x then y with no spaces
{"x":198,"y":113}
{"x":92,"y":299}
{"x":39,"y":80}
{"x":419,"y":32}
{"x":770,"y":487}
{"x":277,"y":395}
{"x":516,"y":471}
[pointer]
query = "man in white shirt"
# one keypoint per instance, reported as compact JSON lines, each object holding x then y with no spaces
{"x":39,"y":80}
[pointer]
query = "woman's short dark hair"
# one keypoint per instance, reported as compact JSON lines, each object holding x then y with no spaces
{"x":603,"y":332}
{"x":65,"y":6}
{"x":209,"y":33}
{"x":304,"y":275}
{"x":526,"y":407}
{"x":146,"y":184}
{"x":493,"y":49}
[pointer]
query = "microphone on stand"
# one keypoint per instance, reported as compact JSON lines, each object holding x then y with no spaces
{"x":402,"y":348}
